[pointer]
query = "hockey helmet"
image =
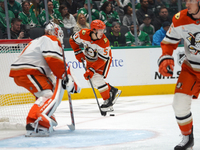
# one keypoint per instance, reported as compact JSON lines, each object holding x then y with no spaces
{"x":54,"y":29}
{"x":97,"y":25}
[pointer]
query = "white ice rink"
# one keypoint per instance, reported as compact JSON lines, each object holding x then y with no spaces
{"x":140,"y":123}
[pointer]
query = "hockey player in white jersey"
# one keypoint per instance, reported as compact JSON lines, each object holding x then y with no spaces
{"x":185,"y":25}
{"x":40,"y":69}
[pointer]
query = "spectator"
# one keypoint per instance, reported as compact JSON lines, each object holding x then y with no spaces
{"x":129,"y":2}
{"x":147,"y":27}
{"x":142,"y":40}
{"x":160,"y":34}
{"x":3,"y":25}
{"x":163,"y":16}
{"x":158,"y":5}
{"x":55,"y":4}
{"x":15,"y":7}
{"x":115,"y":37}
{"x":15,"y":31}
{"x":54,"y":15}
{"x":72,"y":6}
{"x":27,"y":16}
{"x":173,"y":8}
{"x":151,"y":5}
{"x":109,"y":14}
{"x":68,"y":19}
{"x":144,"y":10}
{"x":35,"y":7}
{"x":128,"y":16}
{"x":116,"y":4}
{"x":81,"y":23}
{"x":95,"y":13}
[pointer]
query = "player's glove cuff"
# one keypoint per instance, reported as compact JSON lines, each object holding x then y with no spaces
{"x":78,"y":52}
{"x":92,"y":69}
{"x":165,"y":57}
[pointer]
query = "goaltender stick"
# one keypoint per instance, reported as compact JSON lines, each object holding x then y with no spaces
{"x":98,"y":56}
{"x":35,"y":69}
{"x":185,"y":25}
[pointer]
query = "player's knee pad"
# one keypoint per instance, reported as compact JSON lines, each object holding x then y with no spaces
{"x":97,"y":80}
{"x":181,"y":104}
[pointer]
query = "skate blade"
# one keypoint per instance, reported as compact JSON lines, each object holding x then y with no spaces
{"x":116,"y":96}
{"x":190,"y":148}
{"x":34,"y":134}
{"x":108,"y":109}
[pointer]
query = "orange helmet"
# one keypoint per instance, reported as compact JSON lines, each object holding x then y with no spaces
{"x":97,"y":24}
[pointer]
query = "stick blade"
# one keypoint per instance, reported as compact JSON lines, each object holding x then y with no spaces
{"x":71,"y":127}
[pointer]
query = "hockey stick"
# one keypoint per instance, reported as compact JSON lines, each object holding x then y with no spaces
{"x":72,"y":126}
{"x":103,"y":113}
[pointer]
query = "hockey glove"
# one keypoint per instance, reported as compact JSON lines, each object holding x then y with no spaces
{"x":166,"y":65}
{"x":89,"y":73}
{"x":79,"y":54}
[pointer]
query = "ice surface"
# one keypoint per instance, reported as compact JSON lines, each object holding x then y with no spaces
{"x":140,"y":123}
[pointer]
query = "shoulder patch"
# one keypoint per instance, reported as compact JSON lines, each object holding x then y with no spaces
{"x":83,"y":32}
{"x":105,"y":40}
{"x":177,"y":16}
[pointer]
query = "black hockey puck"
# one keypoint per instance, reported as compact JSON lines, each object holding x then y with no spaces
{"x":112,"y":114}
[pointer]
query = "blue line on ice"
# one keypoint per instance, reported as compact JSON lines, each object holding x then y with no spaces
{"x":79,"y":138}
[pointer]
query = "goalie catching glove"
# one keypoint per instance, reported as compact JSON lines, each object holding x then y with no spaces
{"x":72,"y":86}
{"x":166,"y":65}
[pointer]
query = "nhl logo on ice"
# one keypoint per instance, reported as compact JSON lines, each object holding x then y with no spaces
{"x":181,"y":57}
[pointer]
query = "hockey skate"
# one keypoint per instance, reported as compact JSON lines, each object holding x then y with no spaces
{"x":35,"y":130}
{"x":107,"y":106}
{"x":187,"y":143}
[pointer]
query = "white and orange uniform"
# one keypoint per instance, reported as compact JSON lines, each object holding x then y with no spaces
{"x":96,"y":52}
{"x":184,"y":26}
{"x":40,"y":58}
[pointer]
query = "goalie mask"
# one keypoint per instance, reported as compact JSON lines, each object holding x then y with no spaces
{"x":54,"y":29}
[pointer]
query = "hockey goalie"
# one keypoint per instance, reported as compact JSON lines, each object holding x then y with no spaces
{"x":40,"y":69}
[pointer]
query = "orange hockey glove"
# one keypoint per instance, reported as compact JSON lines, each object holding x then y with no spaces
{"x":79,"y":54}
{"x":166,"y":65}
{"x":89,"y":73}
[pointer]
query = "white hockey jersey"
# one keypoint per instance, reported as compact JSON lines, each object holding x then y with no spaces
{"x":97,"y":52}
{"x":184,"y":26}
{"x":40,"y":57}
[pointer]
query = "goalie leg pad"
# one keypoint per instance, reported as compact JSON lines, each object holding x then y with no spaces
{"x":45,"y":108}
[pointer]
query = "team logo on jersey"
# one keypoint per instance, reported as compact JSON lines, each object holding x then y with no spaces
{"x":83,"y":32}
{"x":177,"y":16}
{"x":194,"y":39}
{"x":90,"y":53}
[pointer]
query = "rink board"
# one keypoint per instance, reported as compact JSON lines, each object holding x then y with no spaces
{"x":134,"y":71}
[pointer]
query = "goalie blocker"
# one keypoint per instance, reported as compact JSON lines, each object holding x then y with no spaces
{"x":43,"y":109}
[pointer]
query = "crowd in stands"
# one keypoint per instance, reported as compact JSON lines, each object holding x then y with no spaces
{"x":27,"y":19}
